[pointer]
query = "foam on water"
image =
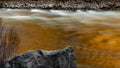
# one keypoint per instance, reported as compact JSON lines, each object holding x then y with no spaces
{"x":65,"y":12}
{"x":85,"y":17}
{"x":39,"y":11}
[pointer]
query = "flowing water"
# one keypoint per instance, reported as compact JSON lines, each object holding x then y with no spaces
{"x":94,"y":35}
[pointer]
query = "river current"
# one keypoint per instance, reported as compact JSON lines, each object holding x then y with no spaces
{"x":94,"y":35}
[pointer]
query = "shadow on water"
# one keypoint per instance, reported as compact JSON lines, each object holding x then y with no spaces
{"x":8,"y":41}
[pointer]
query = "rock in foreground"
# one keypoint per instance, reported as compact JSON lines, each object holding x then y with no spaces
{"x":43,"y":59}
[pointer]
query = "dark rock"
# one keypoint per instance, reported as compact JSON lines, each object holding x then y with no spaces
{"x":43,"y":59}
{"x":62,"y":4}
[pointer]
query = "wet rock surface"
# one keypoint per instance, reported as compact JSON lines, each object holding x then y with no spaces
{"x":62,"y":4}
{"x":43,"y":59}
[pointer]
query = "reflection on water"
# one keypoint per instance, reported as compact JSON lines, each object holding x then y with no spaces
{"x":95,"y":35}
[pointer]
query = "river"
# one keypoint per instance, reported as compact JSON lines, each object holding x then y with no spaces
{"x":94,"y":35}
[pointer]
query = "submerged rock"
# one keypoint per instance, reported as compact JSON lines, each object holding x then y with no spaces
{"x":43,"y":59}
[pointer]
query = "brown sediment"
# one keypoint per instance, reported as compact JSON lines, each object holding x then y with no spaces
{"x":96,"y":46}
{"x":62,"y":4}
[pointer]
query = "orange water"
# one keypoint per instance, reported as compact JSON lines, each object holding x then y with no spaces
{"x":94,"y":35}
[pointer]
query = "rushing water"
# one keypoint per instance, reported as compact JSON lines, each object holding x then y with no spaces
{"x":95,"y":35}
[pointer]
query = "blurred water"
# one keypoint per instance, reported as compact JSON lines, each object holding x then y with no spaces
{"x":95,"y":35}
{"x":85,"y":17}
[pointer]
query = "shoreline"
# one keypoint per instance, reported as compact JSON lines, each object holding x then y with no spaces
{"x":64,"y":5}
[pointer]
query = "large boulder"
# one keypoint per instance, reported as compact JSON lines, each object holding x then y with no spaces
{"x":43,"y":59}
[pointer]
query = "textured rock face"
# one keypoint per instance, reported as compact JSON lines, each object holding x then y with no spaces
{"x":62,"y":4}
{"x":43,"y":59}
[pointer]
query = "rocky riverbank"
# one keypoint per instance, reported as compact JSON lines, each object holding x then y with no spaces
{"x":63,"y":4}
